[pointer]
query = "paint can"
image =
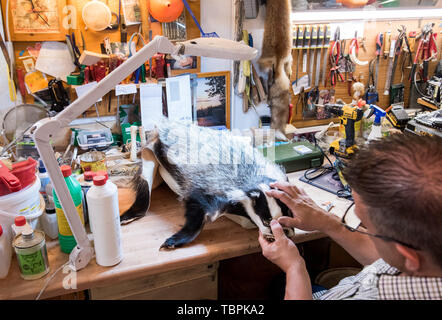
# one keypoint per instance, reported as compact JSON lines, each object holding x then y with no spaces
{"x":32,"y":256}
{"x":93,"y":161}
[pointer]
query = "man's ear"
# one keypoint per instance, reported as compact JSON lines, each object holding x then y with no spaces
{"x":413,"y":261}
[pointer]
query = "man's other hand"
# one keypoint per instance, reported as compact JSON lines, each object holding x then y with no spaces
{"x":282,"y":251}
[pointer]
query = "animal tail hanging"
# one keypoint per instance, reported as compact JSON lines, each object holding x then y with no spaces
{"x":142,"y":186}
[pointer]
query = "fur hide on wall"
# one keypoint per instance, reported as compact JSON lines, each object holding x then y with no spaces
{"x":276,"y":61}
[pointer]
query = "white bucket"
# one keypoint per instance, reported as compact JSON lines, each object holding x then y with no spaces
{"x":27,"y":202}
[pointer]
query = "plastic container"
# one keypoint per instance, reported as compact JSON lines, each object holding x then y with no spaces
{"x":24,"y":202}
{"x":104,"y":218}
{"x":44,"y":180}
{"x":5,"y":254}
{"x":19,"y":225}
{"x":65,"y":237}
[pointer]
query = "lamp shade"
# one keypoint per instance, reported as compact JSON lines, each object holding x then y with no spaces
{"x":165,"y":10}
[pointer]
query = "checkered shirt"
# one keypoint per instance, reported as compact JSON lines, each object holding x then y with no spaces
{"x":380,"y":281}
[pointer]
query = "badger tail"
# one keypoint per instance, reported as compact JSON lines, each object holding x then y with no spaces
{"x":142,"y":187}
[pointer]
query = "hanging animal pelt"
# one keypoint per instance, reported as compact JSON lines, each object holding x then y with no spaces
{"x":214,"y":173}
{"x":276,"y":61}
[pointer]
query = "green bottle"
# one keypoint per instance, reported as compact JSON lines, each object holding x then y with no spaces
{"x":65,"y":237}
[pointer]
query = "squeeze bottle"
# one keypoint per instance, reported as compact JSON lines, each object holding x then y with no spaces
{"x":104,"y":218}
{"x":5,"y":254}
{"x":65,"y":237}
{"x":19,"y":225}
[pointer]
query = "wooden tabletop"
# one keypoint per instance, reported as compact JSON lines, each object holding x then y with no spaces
{"x":141,"y":240}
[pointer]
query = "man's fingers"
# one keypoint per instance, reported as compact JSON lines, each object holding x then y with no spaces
{"x":277,"y":230}
{"x":280,"y":195}
{"x":288,"y":222}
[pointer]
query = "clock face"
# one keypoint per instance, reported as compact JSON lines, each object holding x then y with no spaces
{"x":35,"y":16}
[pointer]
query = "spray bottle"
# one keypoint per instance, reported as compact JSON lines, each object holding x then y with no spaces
{"x":376,"y":127}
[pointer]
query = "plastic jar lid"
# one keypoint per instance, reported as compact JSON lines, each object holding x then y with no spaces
{"x":89,"y":175}
{"x":20,"y":221}
{"x":66,"y":170}
{"x":99,"y":180}
{"x":102,"y":173}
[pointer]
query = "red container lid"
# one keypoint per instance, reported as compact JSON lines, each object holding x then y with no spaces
{"x":20,"y":221}
{"x":1,"y":231}
{"x":100,"y":180}
{"x":89,"y":175}
{"x":9,"y":183}
{"x":102,"y":173}
{"x":25,"y":171}
{"x":66,"y":170}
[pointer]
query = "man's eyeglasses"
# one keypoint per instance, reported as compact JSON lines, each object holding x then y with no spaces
{"x":385,"y":238}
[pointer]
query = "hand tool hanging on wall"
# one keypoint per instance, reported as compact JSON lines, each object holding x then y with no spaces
{"x":306,"y":47}
{"x":391,"y":56}
{"x":387,"y":44}
{"x":313,"y":45}
{"x":427,"y":50}
{"x":334,"y":57}
{"x":353,"y":51}
{"x":295,"y":47}
{"x":379,"y":43}
{"x":397,"y":90}
{"x":327,"y":37}
{"x":299,"y":47}
{"x":320,"y":46}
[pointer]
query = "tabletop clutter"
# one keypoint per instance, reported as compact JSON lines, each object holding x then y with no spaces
{"x":31,"y":211}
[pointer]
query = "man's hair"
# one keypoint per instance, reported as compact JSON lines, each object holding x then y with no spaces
{"x":399,"y":179}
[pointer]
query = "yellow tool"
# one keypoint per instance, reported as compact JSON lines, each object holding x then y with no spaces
{"x":387,"y":43}
{"x":348,"y":116}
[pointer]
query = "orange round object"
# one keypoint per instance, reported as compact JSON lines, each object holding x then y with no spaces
{"x":165,"y":10}
{"x":353,"y":3}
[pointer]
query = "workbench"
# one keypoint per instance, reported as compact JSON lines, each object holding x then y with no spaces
{"x":146,"y":272}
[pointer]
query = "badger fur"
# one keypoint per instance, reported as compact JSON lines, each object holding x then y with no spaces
{"x":276,"y":61}
{"x":214,"y":173}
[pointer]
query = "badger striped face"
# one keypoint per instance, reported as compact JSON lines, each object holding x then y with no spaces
{"x":261,"y":209}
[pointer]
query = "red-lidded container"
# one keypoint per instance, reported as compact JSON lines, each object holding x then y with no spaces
{"x":21,"y":176}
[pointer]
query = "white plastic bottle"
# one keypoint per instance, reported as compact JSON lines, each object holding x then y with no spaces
{"x":5,"y":254}
{"x":104,"y":218}
{"x":19,"y":225}
{"x":49,"y":218}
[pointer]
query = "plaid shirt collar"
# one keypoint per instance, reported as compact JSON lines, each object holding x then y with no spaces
{"x":394,"y":287}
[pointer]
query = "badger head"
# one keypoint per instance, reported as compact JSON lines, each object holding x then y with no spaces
{"x":255,"y":205}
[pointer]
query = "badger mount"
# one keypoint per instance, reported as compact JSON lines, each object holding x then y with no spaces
{"x":44,"y":129}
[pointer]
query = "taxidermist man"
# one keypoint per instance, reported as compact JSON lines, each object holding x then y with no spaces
{"x":396,"y":184}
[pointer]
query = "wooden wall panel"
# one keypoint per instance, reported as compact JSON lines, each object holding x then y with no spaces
{"x":93,"y":39}
{"x":371,"y":30}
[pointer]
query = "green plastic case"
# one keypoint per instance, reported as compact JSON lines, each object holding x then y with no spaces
{"x":291,"y":160}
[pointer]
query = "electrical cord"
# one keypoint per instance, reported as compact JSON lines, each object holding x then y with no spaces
{"x":50,"y":278}
{"x":323,"y":170}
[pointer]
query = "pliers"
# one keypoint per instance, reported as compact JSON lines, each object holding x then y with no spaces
{"x":334,"y":58}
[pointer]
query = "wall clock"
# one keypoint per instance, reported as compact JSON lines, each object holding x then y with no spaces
{"x":36,"y":20}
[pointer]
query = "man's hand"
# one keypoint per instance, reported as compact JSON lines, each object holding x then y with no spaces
{"x":282,"y":252}
{"x":306,"y":214}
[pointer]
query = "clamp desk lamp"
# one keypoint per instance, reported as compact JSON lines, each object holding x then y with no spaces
{"x":44,"y":129}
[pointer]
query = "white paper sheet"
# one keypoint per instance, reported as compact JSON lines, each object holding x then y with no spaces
{"x":151,"y":104}
{"x":179,"y":98}
{"x":55,"y":60}
{"x":347,"y":29}
{"x":82,"y":90}
{"x":123,"y":89}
